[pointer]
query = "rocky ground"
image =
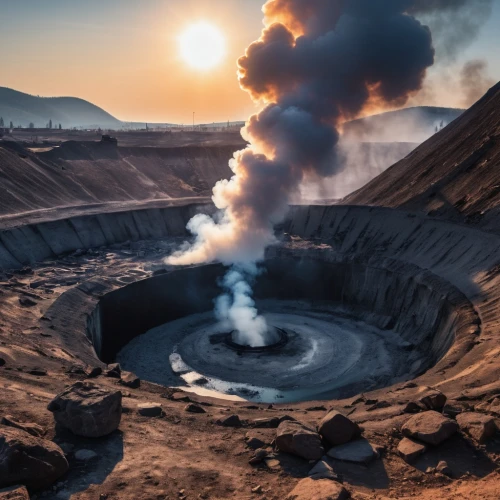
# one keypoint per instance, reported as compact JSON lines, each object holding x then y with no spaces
{"x":171,"y":444}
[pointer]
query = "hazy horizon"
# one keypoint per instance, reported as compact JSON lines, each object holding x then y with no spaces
{"x":123,"y":56}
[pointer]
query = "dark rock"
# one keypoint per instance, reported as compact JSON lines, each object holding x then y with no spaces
{"x":33,"y":429}
{"x":297,"y":439}
{"x":38,"y":372}
{"x":150,"y":410}
{"x":95,"y":372}
{"x":412,"y":407}
{"x":27,"y":301}
{"x":316,"y":408}
{"x":267,"y":423}
{"x":477,"y":426}
{"x":452,"y":411}
{"x":433,"y":400}
{"x":338,"y":429}
{"x":87,"y":409}
{"x":114,"y":371}
{"x":33,"y":462}
{"x":2,"y":362}
{"x":443,"y":468}
{"x":322,"y":489}
{"x":259,"y":457}
{"x":14,"y":493}
{"x":131,"y":380}
{"x":194,"y":408}
{"x":322,"y":470}
{"x":430,"y":427}
{"x":85,"y":455}
{"x":359,"y":451}
{"x":231,"y":421}
{"x":410,"y":450}
{"x":76,"y":370}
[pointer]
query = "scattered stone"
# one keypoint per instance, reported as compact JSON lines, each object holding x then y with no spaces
{"x":323,"y":471}
{"x":87,"y":409}
{"x":38,"y":372}
{"x":477,"y":426}
{"x":412,"y":407}
{"x":257,"y":489}
{"x":31,"y":461}
{"x":150,"y":409}
{"x":267,"y":423}
{"x":410,"y":450}
{"x":443,"y":468}
{"x":359,"y":452}
{"x":231,"y":421}
{"x":430,"y":470}
{"x":451,"y":410}
{"x":258,"y":439}
{"x":259,"y":457}
{"x":194,"y":408}
{"x":14,"y":493}
{"x":433,"y":400}
{"x":297,"y":439}
{"x":338,"y":429}
{"x":180,"y":397}
{"x":200,"y":381}
{"x":33,"y":429}
{"x":76,"y":370}
{"x":114,"y":371}
{"x":316,"y":408}
{"x":85,"y":455}
{"x":322,"y":489}
{"x":430,"y":427}
{"x":95,"y":372}
{"x":130,"y":380}
{"x":272,"y":463}
{"x":2,"y":362}
{"x":27,"y":302}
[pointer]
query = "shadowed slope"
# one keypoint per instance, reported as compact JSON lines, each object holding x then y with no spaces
{"x":454,"y":175}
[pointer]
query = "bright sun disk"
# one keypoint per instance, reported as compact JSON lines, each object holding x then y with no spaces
{"x":202,"y":46}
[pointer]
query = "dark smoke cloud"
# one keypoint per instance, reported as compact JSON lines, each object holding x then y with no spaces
{"x":317,"y":63}
{"x":455,"y":24}
{"x":474,"y":81}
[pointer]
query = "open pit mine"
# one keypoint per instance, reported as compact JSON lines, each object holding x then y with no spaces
{"x":379,"y":373}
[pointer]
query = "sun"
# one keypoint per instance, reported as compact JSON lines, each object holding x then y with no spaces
{"x":202,"y":46}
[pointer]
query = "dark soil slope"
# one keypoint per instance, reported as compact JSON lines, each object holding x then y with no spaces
{"x":453,"y":175}
{"x":82,"y":173}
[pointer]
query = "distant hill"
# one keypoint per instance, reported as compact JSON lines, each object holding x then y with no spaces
{"x":405,"y":125}
{"x":455,"y":174}
{"x":23,"y":109}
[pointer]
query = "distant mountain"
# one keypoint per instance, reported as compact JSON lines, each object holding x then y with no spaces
{"x":405,"y":125}
{"x":23,"y":109}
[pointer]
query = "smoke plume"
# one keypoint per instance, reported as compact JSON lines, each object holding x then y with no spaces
{"x":316,"y":64}
{"x":474,"y":81}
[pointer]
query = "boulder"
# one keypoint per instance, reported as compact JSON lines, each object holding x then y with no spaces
{"x":322,"y":470}
{"x":150,"y":409}
{"x":433,"y":400}
{"x":114,"y":371}
{"x":297,"y":439}
{"x":131,"y":380}
{"x":194,"y":408}
{"x":410,"y":450}
{"x":477,"y":426}
{"x":322,"y":489}
{"x":338,"y":429}
{"x":31,"y":461}
{"x":33,"y":429}
{"x":231,"y":421}
{"x":267,"y":423}
{"x":359,"y":451}
{"x":443,"y":468}
{"x":95,"y":372}
{"x":14,"y":493}
{"x":88,"y":410}
{"x":430,"y":427}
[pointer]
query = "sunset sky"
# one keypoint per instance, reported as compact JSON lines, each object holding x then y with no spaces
{"x":124,"y":55}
